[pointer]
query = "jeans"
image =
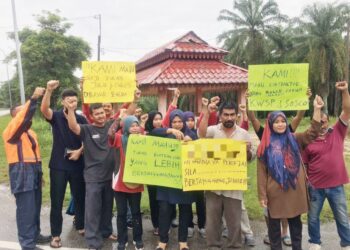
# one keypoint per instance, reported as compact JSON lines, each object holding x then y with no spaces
{"x":134,"y":199}
{"x":337,"y":201}
{"x":166,"y":213}
{"x":58,"y":184}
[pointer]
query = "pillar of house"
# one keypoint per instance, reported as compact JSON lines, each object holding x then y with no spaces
{"x":162,"y":100}
{"x":198,"y":98}
{"x":241,"y":96}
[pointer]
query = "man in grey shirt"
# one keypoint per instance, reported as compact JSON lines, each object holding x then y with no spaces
{"x":227,"y":203}
{"x":100,"y":161}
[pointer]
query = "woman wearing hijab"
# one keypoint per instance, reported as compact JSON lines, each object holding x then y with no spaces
{"x":127,"y":193}
{"x":154,"y":121}
{"x":168,"y":197}
{"x":199,"y":195}
{"x":281,"y":175}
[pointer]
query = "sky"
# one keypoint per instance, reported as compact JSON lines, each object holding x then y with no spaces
{"x":130,"y":28}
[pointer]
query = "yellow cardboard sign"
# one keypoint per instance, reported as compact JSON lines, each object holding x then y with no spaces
{"x":278,"y":87}
{"x":109,"y":81}
{"x":214,"y":164}
{"x":153,"y":161}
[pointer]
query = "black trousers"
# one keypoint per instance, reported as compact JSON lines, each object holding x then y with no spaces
{"x":200,"y":209}
{"x":58,"y":184}
{"x":166,"y":211}
{"x":98,"y":212}
{"x":153,"y":205}
{"x":134,"y":199}
{"x":295,"y":228}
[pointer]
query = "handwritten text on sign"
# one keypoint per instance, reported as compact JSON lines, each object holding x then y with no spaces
{"x":154,"y":161}
{"x":278,"y":87}
{"x":214,"y":164}
{"x":108,"y":81}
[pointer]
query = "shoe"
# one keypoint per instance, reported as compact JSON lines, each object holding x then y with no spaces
{"x":314,"y":246}
{"x":122,"y":246}
{"x":250,"y":240}
{"x":202,"y":233}
{"x":41,"y":239}
{"x":224,"y":233}
{"x":345,"y":248}
{"x":287,"y":241}
{"x":190,"y":232}
{"x":267,"y":240}
{"x":138,"y":245}
{"x":174,"y":223}
{"x":129,"y":224}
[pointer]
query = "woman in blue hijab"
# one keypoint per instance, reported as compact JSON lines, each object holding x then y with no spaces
{"x":168,"y":197}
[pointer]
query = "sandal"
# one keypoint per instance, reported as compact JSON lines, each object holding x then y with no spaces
{"x":161,"y":246}
{"x":56,"y":242}
{"x":113,"y":237}
{"x":287,"y":241}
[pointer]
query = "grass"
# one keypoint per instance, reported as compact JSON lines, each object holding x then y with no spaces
{"x":43,"y":130}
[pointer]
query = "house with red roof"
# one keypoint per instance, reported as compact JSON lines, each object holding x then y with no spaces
{"x":192,"y":65}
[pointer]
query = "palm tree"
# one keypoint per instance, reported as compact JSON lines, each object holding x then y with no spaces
{"x":319,"y":41}
{"x":252,"y":20}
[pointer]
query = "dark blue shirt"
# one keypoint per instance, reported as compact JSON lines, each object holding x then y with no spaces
{"x":64,"y":138}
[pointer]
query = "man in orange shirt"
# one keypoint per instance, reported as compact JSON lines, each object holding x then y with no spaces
{"x":23,"y":157}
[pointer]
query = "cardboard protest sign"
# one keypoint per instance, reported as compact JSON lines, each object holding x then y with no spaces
{"x":214,"y":164}
{"x":278,"y":87}
{"x":154,"y":161}
{"x":108,"y":81}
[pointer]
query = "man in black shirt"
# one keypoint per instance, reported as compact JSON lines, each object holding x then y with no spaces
{"x":66,"y":163}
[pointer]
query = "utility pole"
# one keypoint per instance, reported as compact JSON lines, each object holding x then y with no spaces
{"x":99,"y":37}
{"x":18,"y":50}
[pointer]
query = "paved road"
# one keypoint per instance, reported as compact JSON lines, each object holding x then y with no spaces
{"x":72,"y":241}
{"x":4,"y":112}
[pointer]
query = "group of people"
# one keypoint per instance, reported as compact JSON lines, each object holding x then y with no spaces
{"x":296,"y":172}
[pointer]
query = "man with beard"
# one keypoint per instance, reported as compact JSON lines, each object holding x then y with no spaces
{"x":227,"y":203}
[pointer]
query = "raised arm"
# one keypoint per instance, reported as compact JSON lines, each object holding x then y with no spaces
{"x":22,"y":121}
{"x":300,"y":114}
{"x":133,"y":106}
{"x":172,"y":106}
{"x":312,"y":133}
{"x":45,"y":104}
{"x":203,"y":126}
{"x":72,"y":121}
{"x":251,"y":116}
{"x":343,"y":87}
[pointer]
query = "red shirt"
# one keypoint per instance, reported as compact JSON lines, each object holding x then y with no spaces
{"x":325,"y":159}
{"x":118,"y":184}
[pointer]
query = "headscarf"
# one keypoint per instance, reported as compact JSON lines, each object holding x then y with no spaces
{"x":127,"y":122}
{"x":280,"y":153}
{"x":149,"y":123}
{"x":188,"y":115}
{"x":185,"y":130}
